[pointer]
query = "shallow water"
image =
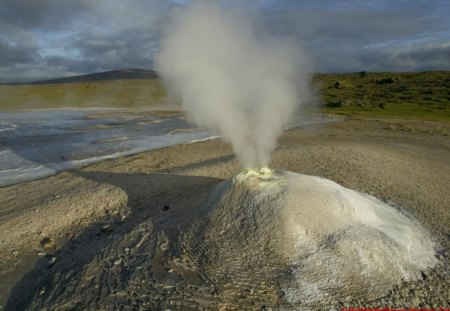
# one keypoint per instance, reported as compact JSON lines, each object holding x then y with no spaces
{"x":39,"y":143}
{"x":34,"y":144}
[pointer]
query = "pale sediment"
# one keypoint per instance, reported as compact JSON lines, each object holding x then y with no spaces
{"x":123,"y":227}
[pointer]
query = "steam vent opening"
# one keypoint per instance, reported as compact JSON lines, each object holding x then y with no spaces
{"x":303,"y":238}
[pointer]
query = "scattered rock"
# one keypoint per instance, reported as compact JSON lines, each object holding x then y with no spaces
{"x":107,"y":229}
{"x":51,"y":262}
{"x":118,"y":261}
{"x":45,"y":240}
{"x":15,"y":253}
{"x":48,"y":245}
{"x":89,"y":278}
{"x":423,"y":276}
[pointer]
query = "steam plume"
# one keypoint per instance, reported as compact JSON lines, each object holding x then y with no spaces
{"x":232,"y":77}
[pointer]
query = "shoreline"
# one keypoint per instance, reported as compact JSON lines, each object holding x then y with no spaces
{"x":43,"y":147}
{"x":403,"y":162}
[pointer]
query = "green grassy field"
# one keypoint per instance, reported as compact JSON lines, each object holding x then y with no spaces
{"x":418,"y":96}
{"x":130,"y":93}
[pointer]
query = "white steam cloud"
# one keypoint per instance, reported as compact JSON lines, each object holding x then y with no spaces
{"x":232,"y":77}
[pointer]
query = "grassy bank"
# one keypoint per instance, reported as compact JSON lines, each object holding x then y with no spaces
{"x":130,"y":93}
{"x":419,"y":96}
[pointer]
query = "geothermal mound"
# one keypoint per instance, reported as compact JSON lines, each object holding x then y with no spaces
{"x":316,"y":240}
{"x":277,"y":239}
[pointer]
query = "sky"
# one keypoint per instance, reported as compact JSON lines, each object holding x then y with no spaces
{"x":42,"y":39}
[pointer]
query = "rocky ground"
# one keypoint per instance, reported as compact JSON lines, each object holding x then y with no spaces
{"x":107,"y":236}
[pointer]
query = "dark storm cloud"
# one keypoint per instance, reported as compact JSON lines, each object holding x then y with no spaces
{"x":16,"y":53}
{"x":415,"y":57}
{"x":51,"y":38}
{"x":130,"y":48}
{"x":356,"y":25}
{"x":42,"y":13}
{"x":367,"y":35}
{"x":429,"y":54}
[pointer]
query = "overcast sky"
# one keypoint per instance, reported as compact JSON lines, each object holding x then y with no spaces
{"x":53,"y":38}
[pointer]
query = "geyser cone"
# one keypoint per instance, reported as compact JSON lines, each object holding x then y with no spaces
{"x":305,"y":237}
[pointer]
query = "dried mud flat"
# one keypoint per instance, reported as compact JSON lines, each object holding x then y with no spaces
{"x":106,"y":237}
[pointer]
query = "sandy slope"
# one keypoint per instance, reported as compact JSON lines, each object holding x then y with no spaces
{"x":112,"y":223}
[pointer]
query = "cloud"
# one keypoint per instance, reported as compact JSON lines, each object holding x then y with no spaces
{"x":19,"y":52}
{"x":51,"y":38}
{"x":371,"y":35}
{"x":43,"y":13}
{"x":416,"y":57}
{"x":74,"y":37}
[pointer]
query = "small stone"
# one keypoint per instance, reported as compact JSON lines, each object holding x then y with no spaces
{"x":415,"y":302}
{"x":118,"y":261}
{"x":49,"y":246}
{"x":51,"y":262}
{"x":178,"y":288}
{"x":127,"y":250}
{"x":423,"y":276}
{"x":107,"y":229}
{"x":15,"y":252}
{"x":70,"y":235}
{"x":122,"y":300}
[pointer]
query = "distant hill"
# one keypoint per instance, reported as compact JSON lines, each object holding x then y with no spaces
{"x":121,"y":74}
{"x":126,"y":88}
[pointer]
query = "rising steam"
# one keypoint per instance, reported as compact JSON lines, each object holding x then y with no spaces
{"x":232,"y":77}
